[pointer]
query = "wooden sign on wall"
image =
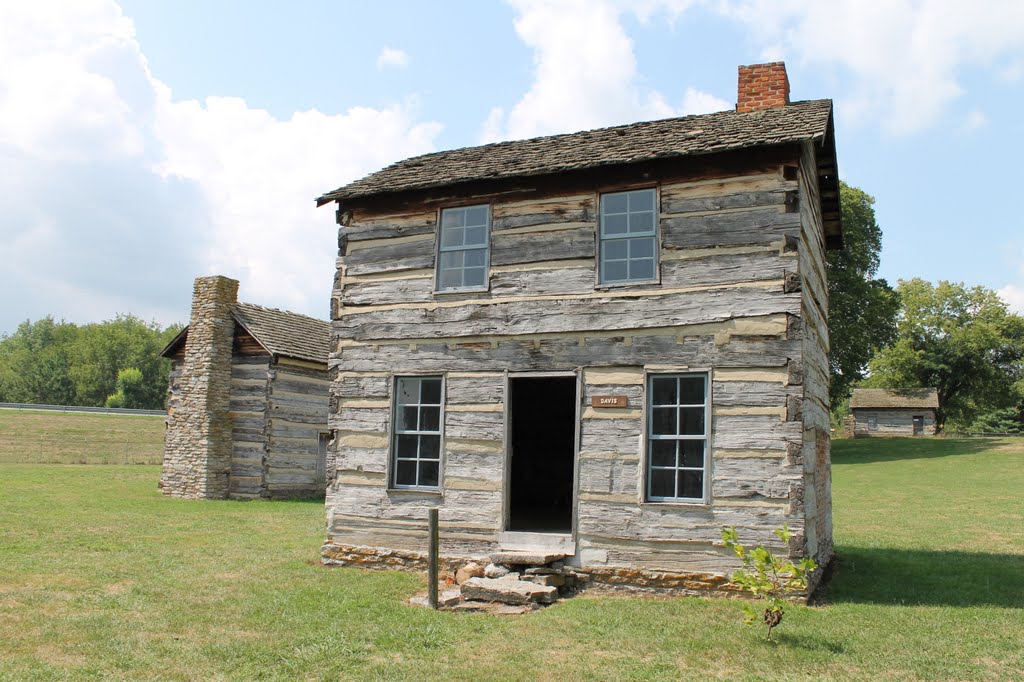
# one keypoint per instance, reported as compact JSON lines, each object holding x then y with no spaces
{"x":609,"y":401}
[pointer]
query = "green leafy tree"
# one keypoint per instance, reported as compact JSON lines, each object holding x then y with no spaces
{"x":961,"y":340}
{"x":862,"y":309}
{"x":768,"y":577}
{"x":131,"y":390}
{"x":34,"y":363}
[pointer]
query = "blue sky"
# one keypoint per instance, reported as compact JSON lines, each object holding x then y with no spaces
{"x":144,"y":143}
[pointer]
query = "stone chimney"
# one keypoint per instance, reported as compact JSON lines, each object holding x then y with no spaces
{"x":197,"y":443}
{"x":762,"y":86}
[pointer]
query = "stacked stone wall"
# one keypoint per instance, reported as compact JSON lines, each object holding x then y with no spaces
{"x":197,"y":445}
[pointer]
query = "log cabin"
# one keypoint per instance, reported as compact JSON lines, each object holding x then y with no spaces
{"x":247,"y":400}
{"x":894,"y":412}
{"x":606,"y":345}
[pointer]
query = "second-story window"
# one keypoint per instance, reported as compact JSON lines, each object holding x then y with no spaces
{"x":463,"y":250}
{"x":629,"y":248}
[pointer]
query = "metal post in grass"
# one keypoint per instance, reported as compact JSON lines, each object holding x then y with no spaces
{"x":432,"y":558}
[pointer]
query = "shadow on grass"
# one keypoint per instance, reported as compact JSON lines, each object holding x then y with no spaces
{"x":809,"y":642}
{"x":918,"y":577}
{"x":869,"y":450}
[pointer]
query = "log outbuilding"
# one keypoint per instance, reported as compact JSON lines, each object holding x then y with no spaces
{"x":894,"y":412}
{"x":606,"y":345}
{"x":247,"y":400}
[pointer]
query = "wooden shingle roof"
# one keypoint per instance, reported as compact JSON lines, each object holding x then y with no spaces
{"x":899,"y":398}
{"x":280,"y":332}
{"x":286,"y":333}
{"x":689,"y":135}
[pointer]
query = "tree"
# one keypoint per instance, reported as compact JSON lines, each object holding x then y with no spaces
{"x":34,"y":363}
{"x":961,"y":340}
{"x":862,"y":309}
{"x":131,"y":390}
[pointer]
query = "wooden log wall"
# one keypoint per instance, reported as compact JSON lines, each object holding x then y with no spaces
{"x":250,"y":366}
{"x":892,"y":422}
{"x":732,"y":300}
{"x":297,"y":406}
{"x":816,"y":437}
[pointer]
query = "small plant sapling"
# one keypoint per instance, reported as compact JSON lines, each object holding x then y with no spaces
{"x":768,"y":577}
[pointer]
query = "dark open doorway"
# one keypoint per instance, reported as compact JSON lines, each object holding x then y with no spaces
{"x":542,"y":431}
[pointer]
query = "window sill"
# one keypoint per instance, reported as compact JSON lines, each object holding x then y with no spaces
{"x":433,"y":492}
{"x":626,"y":285}
{"x":696,"y":505}
{"x":457,"y":292}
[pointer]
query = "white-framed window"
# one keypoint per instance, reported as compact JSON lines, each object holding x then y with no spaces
{"x":629,"y":240}
{"x":677,"y":437}
{"x":416,"y":437}
{"x":463,"y":252}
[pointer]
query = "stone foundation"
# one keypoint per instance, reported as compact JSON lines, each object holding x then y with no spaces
{"x":634,"y":580}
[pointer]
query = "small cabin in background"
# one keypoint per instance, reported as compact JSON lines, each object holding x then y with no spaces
{"x":603,"y":346}
{"x":247,"y":404}
{"x":894,"y":412}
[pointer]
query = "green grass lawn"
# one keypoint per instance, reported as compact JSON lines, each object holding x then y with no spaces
{"x":102,"y":577}
{"x":47,"y":436}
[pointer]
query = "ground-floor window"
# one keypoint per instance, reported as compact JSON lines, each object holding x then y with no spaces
{"x":872,"y":422}
{"x":416,"y":437}
{"x":677,"y":437}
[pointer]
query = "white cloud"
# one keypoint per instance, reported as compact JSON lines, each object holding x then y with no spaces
{"x":900,"y":58}
{"x":1013,"y":294}
{"x":390,"y":56}
{"x":975,"y":120}
{"x":586,"y":70}
{"x":114,"y":195}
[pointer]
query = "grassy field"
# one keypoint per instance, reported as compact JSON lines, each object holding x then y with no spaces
{"x":46,"y":436}
{"x":101,"y":577}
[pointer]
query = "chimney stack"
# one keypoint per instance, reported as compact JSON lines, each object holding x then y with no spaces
{"x":197,"y":442}
{"x":762,"y":86}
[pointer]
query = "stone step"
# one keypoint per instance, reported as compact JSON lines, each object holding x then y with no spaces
{"x":521,"y":558}
{"x":507,"y":591}
{"x":494,"y":608}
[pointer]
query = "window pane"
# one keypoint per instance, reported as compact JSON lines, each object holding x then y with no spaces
{"x":451,"y":259}
{"x":663,"y":453}
{"x":641,"y":248}
{"x":615,"y":271}
{"x":614,"y":203}
{"x":616,"y":249}
{"x":405,"y":446}
{"x":407,"y":418}
{"x":430,"y":419}
{"x":476,"y":215}
{"x":452,"y":236}
{"x":641,"y":222}
{"x":431,"y":392}
{"x":692,"y":389}
{"x":663,"y":390}
{"x":664,"y":421}
{"x":691,"y":421}
{"x":474,"y":277}
{"x":614,"y":224}
{"x":691,"y":453}
{"x":405,"y":472}
{"x":408,"y":391}
{"x":430,"y":447}
{"x":451,"y":279}
{"x":641,"y":269}
{"x":453,"y":217}
{"x":476,"y":235}
{"x":691,"y":484}
{"x":429,"y":473}
{"x":663,"y":483}
{"x":641,"y":200}
{"x":475,"y":258}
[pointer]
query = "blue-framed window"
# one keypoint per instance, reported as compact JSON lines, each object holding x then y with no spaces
{"x":677,"y":437}
{"x":416,"y":441}
{"x":629,"y":241}
{"x":463,"y":253}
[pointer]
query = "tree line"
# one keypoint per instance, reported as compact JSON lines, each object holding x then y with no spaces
{"x":959,"y":339}
{"x":115,"y":363}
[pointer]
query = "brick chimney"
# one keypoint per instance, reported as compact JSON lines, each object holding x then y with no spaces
{"x":197,"y":443}
{"x":762,"y":86}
